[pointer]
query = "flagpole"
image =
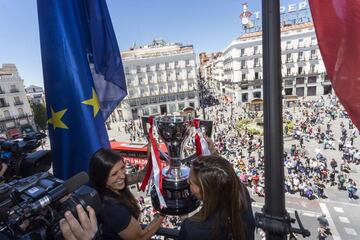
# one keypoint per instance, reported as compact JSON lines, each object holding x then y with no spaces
{"x":273,"y":130}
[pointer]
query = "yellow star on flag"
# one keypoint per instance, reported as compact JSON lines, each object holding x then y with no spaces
{"x":94,"y":101}
{"x":55,"y":119}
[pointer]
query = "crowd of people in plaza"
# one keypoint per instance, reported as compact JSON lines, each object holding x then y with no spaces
{"x":308,"y":172}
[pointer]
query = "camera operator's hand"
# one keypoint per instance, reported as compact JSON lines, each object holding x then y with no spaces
{"x":85,"y":230}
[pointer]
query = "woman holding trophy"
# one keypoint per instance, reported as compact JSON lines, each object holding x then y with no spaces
{"x":120,"y":211}
{"x":226,"y":209}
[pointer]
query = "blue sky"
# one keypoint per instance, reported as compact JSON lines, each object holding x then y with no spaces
{"x":209,"y":25}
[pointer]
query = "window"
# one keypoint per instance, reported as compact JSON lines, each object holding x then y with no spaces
{"x":256,"y":62}
{"x":313,"y":40}
{"x":150,"y":78}
{"x":167,"y":66}
{"x":155,"y":110}
{"x":2,"y":102}
{"x":301,"y":56}
{"x":181,"y":106}
{"x":147,"y":67}
{"x":289,"y":82}
{"x":127,"y":70}
{"x":288,"y":71}
{"x":301,"y":43}
{"x":179,"y":86}
{"x":288,"y":57}
{"x":256,"y":49}
{"x":157,"y":67}
{"x":21,"y":111}
{"x":187,"y":62}
{"x":257,"y":94}
{"x":300,"y":70}
{"x":243,"y":76}
{"x":313,"y":54}
{"x":188,"y":72}
{"x":6,"y":114}
{"x":243,"y":64}
{"x":191,"y":104}
{"x":140,"y":80}
{"x":168,"y":77}
{"x":242,"y":52}
{"x":288,"y":45}
{"x":312,"y":68}
{"x":300,"y":80}
{"x":256,"y":75}
{"x":146,"y":111}
{"x":138,"y":69}
{"x":312,"y":79}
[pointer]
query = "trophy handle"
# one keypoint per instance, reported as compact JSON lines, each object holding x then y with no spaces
{"x":144,"y":120}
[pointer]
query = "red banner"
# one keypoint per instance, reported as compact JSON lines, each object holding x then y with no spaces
{"x":337,"y":25}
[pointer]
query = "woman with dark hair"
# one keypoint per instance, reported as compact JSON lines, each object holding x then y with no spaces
{"x":226,"y":209}
{"x":120,"y":208}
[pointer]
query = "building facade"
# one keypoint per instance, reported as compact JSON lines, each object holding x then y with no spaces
{"x":15,"y":110}
{"x":161,"y":79}
{"x":303,"y":70}
{"x":35,"y":94}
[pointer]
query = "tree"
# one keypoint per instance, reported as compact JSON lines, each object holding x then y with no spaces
{"x":40,"y":116}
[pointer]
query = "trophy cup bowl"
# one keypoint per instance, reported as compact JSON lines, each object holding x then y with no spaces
{"x":173,"y":131}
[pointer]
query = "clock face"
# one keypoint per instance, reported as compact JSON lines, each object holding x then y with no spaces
{"x":245,"y":21}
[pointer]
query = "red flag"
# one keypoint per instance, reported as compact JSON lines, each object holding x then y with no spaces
{"x":337,"y":25}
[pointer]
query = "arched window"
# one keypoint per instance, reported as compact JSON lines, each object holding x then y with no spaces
{"x":21,"y":111}
{"x":6,"y":114}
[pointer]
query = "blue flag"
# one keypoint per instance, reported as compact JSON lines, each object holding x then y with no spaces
{"x":83,"y":78}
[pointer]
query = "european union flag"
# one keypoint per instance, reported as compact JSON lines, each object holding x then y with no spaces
{"x":83,"y":78}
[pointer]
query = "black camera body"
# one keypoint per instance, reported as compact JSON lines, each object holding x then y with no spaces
{"x":21,"y":158}
{"x":31,"y":208}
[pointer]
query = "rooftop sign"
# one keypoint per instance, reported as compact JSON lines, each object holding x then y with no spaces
{"x":290,"y":14}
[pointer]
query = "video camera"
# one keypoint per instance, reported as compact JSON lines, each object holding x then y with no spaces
{"x":31,"y":208}
{"x":20,"y":157}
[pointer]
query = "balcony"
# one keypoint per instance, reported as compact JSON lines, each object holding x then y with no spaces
{"x":300,"y":59}
{"x":14,"y":90}
{"x":16,"y":103}
{"x":2,"y":91}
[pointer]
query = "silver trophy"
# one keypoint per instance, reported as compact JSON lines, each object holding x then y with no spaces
{"x":173,"y":131}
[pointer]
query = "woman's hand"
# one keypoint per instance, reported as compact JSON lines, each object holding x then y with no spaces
{"x":212,"y":148}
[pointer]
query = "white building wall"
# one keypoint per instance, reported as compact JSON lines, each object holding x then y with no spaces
{"x":13,"y":100}
{"x":301,"y":63}
{"x":161,"y":83}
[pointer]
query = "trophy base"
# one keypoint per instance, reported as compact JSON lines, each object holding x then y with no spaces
{"x":178,"y":198}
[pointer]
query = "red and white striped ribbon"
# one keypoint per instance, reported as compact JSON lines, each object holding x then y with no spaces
{"x":201,"y":145}
{"x":154,"y":167}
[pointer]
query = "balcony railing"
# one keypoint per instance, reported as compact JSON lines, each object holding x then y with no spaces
{"x":18,"y":103}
